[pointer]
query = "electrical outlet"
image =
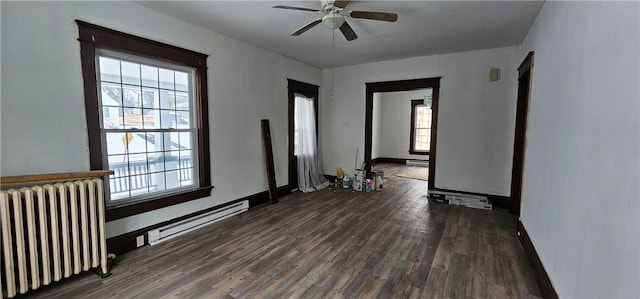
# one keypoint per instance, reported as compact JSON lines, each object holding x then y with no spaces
{"x":139,"y":241}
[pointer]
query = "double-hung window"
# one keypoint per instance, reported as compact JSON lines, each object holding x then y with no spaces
{"x":146,"y":106}
{"x":420,"y":135}
{"x":146,"y":127}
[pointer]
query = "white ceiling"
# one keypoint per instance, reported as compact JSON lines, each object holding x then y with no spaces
{"x":423,"y":27}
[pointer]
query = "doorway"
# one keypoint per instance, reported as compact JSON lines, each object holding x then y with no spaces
{"x":395,"y":86}
{"x":519,"y":142}
{"x":311,"y":92}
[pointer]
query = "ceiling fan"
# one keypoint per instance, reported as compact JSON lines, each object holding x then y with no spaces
{"x":334,"y":14}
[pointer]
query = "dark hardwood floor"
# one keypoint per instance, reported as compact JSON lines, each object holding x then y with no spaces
{"x":342,"y":244}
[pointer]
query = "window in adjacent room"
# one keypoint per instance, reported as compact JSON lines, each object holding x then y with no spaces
{"x":420,"y":135}
{"x":146,"y":105}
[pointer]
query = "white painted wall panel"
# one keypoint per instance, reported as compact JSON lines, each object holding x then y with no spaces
{"x":581,"y":181}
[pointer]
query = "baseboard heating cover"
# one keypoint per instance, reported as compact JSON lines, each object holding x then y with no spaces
{"x":175,"y":229}
{"x":419,"y":163}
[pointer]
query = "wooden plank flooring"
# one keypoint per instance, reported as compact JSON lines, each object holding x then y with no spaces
{"x":342,"y":244}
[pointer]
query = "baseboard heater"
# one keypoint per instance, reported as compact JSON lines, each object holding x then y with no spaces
{"x":175,"y":229}
{"x":419,"y":163}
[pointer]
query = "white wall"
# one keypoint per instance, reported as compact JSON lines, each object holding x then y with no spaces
{"x":581,"y":181}
{"x":396,"y":123}
{"x":475,"y":123}
{"x":43,"y":119}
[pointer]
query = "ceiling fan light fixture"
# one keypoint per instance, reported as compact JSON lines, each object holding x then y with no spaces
{"x":333,"y":21}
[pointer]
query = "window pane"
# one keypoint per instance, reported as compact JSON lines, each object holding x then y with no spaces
{"x":156,"y":162}
{"x":133,"y":118}
{"x":168,"y":119}
{"x":131,"y":96}
{"x":183,"y":119}
{"x":182,"y":101}
{"x":172,"y":179}
{"x":422,"y":140}
{"x":186,"y":177}
{"x":182,"y":81}
{"x":149,"y":76}
{"x":185,"y":158}
{"x":109,"y":69}
{"x":130,"y":73}
{"x":111,"y":94}
{"x":119,"y":187}
{"x":139,"y":184}
{"x":171,"y":160}
{"x":150,"y":98}
{"x":151,"y":118}
{"x":185,"y":140}
{"x":167,"y":99}
{"x":119,"y":164}
{"x":166,"y":78}
{"x":111,"y":117}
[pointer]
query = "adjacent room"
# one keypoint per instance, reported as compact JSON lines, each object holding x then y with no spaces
{"x":320,"y":149}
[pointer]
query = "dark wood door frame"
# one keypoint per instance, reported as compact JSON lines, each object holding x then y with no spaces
{"x":307,"y":90}
{"x":519,"y":142}
{"x":402,"y":85}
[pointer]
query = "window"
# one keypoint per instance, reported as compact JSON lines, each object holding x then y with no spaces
{"x":420,"y":142}
{"x":146,"y":125}
{"x":146,"y":106}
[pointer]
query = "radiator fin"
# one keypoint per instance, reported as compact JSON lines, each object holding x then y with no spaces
{"x":50,"y":232}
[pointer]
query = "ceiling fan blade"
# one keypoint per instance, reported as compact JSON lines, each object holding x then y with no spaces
{"x":374,"y":15}
{"x":307,"y":27}
{"x":341,"y":3}
{"x":296,"y":8}
{"x":348,"y":32}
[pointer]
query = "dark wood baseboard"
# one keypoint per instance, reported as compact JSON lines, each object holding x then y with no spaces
{"x":388,"y":160}
{"x":546,"y":287}
{"x":127,"y":242}
{"x":394,"y":160}
{"x":498,"y":201}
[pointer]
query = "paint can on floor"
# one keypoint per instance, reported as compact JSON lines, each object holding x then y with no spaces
{"x":378,"y":172}
{"x":378,"y":176}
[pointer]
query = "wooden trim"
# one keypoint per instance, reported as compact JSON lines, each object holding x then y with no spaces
{"x":268,"y":153}
{"x":498,"y":201}
{"x":402,"y":85}
{"x":435,"y":104}
{"x":519,"y":140}
{"x":94,"y":37}
{"x":134,"y":208}
{"x":526,"y":64}
{"x":127,"y":242}
{"x":310,"y":91}
{"x":112,"y":39}
{"x":544,"y":282}
{"x":391,"y":160}
{"x":32,"y":179}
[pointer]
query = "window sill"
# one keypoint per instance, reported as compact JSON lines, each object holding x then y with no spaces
{"x":135,"y":208}
{"x":418,"y":153}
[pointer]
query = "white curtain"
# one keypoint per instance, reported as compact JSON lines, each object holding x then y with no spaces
{"x":310,"y":171}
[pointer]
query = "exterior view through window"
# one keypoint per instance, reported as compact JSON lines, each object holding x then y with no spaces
{"x":421,"y":126}
{"x":147,"y":126}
